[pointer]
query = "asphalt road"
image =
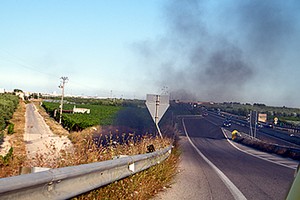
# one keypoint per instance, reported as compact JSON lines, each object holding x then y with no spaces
{"x":211,"y":168}
{"x":261,"y":132}
{"x":254,"y":178}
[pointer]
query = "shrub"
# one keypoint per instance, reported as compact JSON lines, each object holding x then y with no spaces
{"x":10,"y":129}
{"x":8,"y":105}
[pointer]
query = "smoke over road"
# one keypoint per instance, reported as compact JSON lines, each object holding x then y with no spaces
{"x":217,"y":50}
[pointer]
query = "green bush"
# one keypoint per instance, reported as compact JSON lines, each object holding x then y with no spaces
{"x":10,"y":129}
{"x":8,"y":105}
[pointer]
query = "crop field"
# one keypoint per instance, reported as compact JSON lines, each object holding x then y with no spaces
{"x":99,"y":115}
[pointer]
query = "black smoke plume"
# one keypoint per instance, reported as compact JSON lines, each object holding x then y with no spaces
{"x":216,"y":59}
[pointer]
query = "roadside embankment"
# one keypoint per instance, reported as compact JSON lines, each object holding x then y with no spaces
{"x":284,"y":151}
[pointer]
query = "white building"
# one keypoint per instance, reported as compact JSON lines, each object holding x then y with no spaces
{"x":81,"y":110}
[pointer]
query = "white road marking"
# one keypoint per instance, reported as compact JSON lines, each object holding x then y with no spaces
{"x":236,"y":193}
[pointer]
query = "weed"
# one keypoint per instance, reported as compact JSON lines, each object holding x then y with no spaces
{"x":10,"y":129}
{"x":5,"y":159}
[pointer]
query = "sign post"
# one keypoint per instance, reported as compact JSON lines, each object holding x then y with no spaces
{"x":157,"y":106}
{"x":253,"y":122}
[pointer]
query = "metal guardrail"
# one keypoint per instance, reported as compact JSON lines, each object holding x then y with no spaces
{"x":67,"y":182}
{"x":294,"y":192}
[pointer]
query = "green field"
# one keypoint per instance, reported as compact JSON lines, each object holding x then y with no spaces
{"x":99,"y":115}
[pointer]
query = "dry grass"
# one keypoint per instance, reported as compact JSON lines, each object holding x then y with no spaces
{"x":86,"y":151}
{"x":142,"y":185}
{"x":139,"y":186}
{"x":17,"y":142}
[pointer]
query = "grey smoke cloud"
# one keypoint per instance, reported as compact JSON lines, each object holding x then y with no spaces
{"x":267,"y":23}
{"x":203,"y":58}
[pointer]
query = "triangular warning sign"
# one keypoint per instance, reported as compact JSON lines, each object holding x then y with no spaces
{"x":157,"y":106}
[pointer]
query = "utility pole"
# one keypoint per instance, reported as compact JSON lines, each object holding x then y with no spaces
{"x":62,"y":86}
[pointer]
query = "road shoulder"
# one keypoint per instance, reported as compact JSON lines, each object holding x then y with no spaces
{"x":189,"y":183}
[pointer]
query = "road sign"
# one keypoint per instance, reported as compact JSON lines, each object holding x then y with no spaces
{"x":157,"y":106}
{"x":275,"y":120}
{"x":262,"y":117}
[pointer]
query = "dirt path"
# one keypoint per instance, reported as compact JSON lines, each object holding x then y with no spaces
{"x":42,"y":146}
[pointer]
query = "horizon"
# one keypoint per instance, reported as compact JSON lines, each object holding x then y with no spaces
{"x":57,"y":94}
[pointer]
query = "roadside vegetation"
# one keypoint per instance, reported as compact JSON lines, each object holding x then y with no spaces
{"x":8,"y":105}
{"x":131,"y":115}
{"x":143,"y":185}
{"x":15,"y":156}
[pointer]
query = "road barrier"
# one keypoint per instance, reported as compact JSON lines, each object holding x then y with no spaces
{"x":67,"y":182}
{"x":294,"y":192}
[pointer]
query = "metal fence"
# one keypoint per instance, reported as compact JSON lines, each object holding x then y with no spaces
{"x":67,"y":182}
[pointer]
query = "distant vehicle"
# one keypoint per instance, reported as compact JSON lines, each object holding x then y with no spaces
{"x":205,"y":114}
{"x":259,"y":125}
{"x":269,"y":125}
{"x":226,"y":123}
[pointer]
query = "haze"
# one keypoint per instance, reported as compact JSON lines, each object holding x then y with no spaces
{"x":232,"y":50}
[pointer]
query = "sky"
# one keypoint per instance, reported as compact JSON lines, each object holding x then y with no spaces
{"x":232,"y":50}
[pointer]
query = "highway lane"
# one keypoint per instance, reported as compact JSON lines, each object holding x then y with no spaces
{"x":254,"y":178}
{"x":218,"y":120}
{"x":196,"y":179}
